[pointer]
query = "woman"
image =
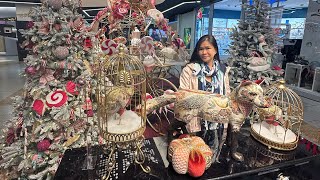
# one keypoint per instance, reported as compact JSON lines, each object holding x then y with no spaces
{"x":206,"y":72}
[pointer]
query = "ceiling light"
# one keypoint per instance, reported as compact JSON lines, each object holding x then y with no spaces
{"x":173,"y":7}
{"x":159,"y":1}
{"x":15,"y":2}
{"x":294,"y":8}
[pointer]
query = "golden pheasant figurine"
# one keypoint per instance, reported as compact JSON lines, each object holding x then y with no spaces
{"x":115,"y":99}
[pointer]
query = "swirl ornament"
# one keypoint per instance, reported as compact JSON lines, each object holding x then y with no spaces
{"x":146,"y":45}
{"x":56,"y":98}
{"x":109,"y":46}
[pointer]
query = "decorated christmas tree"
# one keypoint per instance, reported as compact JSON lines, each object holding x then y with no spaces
{"x":56,"y":111}
{"x":253,"y":45}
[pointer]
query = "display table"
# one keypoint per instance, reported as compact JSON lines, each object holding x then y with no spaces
{"x":72,"y":166}
{"x":259,"y":162}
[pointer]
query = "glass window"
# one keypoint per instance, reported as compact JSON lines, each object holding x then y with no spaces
{"x":296,"y":27}
{"x":202,"y":23}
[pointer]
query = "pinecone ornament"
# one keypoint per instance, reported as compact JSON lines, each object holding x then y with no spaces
{"x":190,"y":155}
{"x":180,"y":160}
{"x":61,"y":52}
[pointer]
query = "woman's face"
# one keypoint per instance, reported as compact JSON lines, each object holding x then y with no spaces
{"x":206,"y":51}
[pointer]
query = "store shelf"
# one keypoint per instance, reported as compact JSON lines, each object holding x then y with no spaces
{"x":293,"y":78}
{"x":293,"y":74}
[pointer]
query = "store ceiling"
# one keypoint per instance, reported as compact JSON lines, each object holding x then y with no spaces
{"x":91,"y":7}
{"x":235,"y":5}
{"x":96,"y":4}
{"x":182,"y":6}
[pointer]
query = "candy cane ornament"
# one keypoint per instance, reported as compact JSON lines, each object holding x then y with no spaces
{"x":25,"y":143}
{"x":146,"y":45}
{"x":109,"y":46}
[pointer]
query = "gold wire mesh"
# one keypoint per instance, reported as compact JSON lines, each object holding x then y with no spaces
{"x":121,"y":86}
{"x":286,"y":111}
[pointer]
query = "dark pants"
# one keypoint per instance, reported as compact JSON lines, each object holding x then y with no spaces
{"x":211,"y":137}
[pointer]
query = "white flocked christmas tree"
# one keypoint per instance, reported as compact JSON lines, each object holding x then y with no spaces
{"x":253,"y":45}
{"x":56,"y":112}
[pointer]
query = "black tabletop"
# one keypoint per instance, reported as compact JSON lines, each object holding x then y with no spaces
{"x":260,"y":163}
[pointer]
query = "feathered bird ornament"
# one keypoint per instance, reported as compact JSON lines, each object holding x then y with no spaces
{"x":115,"y":99}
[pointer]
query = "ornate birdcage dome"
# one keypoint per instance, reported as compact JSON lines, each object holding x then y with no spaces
{"x":278,"y":126}
{"x":121,"y":84}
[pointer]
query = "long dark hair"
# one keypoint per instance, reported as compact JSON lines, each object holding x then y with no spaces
{"x":195,"y":58}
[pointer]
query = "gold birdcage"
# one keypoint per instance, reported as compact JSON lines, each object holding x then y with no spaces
{"x":121,"y":104}
{"x":278,"y":126}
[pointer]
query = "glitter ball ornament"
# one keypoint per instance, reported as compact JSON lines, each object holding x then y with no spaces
{"x":30,"y":70}
{"x":55,"y":4}
{"x":29,"y":46}
{"x":57,"y":27}
{"x":81,"y":82}
{"x":89,"y":113}
{"x":87,"y":43}
{"x":30,"y":24}
{"x":43,"y":145}
{"x":61,"y":52}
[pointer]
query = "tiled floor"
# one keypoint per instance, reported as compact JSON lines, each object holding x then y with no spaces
{"x":11,"y":82}
{"x":311,"y":112}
